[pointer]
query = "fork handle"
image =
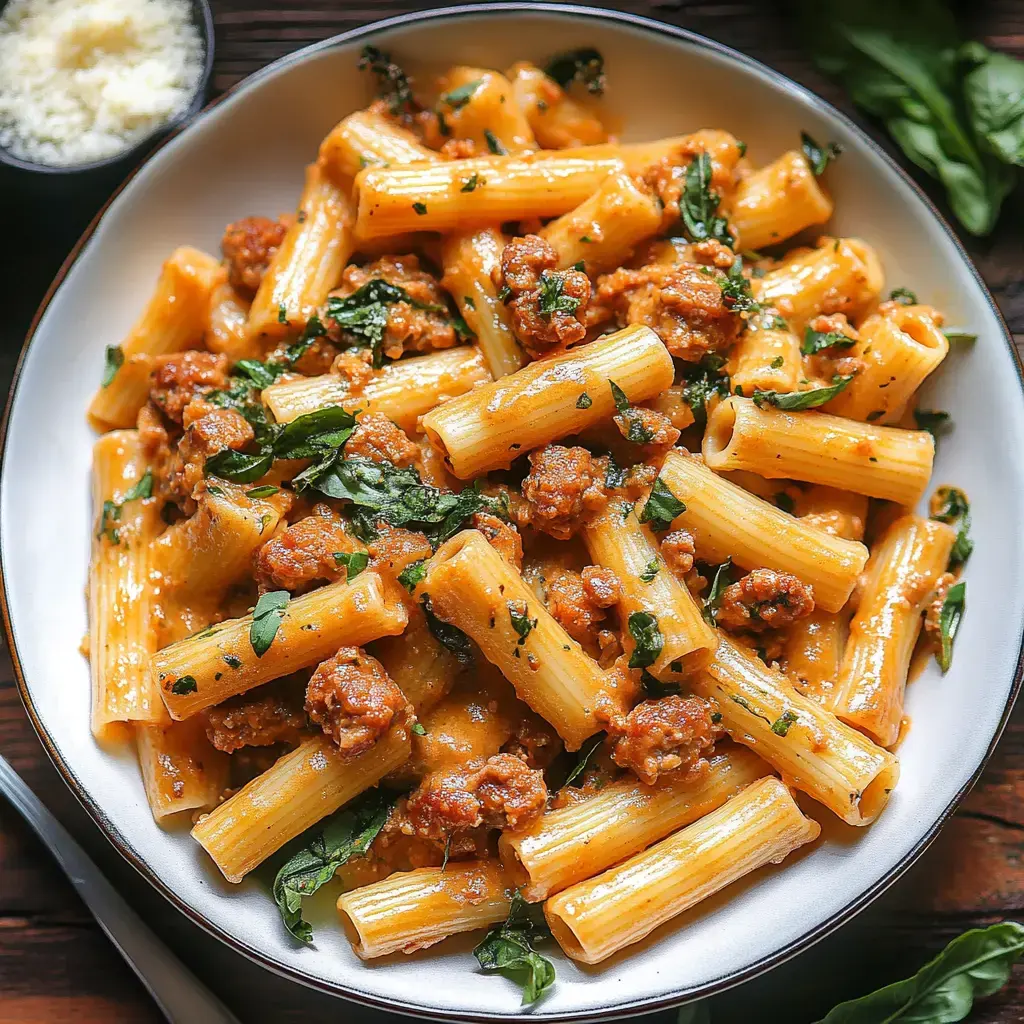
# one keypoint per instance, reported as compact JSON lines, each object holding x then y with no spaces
{"x":182,"y":998}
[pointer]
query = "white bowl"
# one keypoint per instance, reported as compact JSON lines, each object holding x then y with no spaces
{"x":246,"y":155}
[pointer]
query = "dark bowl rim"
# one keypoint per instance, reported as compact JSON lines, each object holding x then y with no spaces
{"x":202,"y":18}
{"x":639,"y":1006}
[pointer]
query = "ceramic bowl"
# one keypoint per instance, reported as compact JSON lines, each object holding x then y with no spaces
{"x":245,"y":156}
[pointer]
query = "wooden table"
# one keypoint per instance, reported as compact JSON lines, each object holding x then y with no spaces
{"x":56,"y":966}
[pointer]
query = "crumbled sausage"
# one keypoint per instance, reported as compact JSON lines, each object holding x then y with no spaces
{"x":570,"y":602}
{"x":459,"y":149}
{"x":377,"y":438}
{"x":678,"y":549}
{"x":601,"y":586}
{"x":214,"y":431}
{"x":502,"y":536}
{"x":394,"y":548}
{"x":548,"y":305}
{"x":355,"y":366}
{"x":248,"y":246}
{"x":260,"y":718}
{"x":765,"y":599}
{"x":648,"y":427}
{"x":180,"y":377}
{"x":682,"y":304}
{"x":302,"y":553}
{"x":561,"y":489}
{"x":353,"y":699}
{"x":502,"y":793}
{"x":409,"y":328}
{"x":665,"y":735}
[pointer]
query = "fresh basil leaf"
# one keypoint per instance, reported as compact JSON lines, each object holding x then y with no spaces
{"x":950,"y":614}
{"x":143,"y":488}
{"x":508,"y":948}
{"x":952,"y":506}
{"x":309,"y":435}
{"x":904,"y":296}
{"x":815,"y":341}
{"x":584,"y":401}
{"x":348,"y":834}
{"x":314,"y":329}
{"x":110,"y":514}
{"x":960,"y":337}
{"x":418,"y":730}
{"x":586,"y":752}
{"x":392,"y":82}
{"x":551,"y":296}
{"x":662,"y":507}
{"x":736,"y":293}
{"x":494,"y":144}
{"x":266,"y":619}
{"x":412,"y":575}
{"x":643,"y":628}
{"x":701,"y":384}
{"x":447,"y":635}
{"x":974,"y":965}
{"x":798,"y":400}
{"x":470,"y":184}
{"x":113,"y":361}
{"x":519,"y":615}
{"x":462,"y":95}
{"x":818,"y":156}
{"x":615,"y":475}
{"x":184,"y":684}
{"x":721,"y":579}
{"x":655,"y":689}
{"x":994,"y":97}
{"x":585,"y":66}
{"x":698,"y":204}
{"x":354,"y":562}
{"x":239,"y":467}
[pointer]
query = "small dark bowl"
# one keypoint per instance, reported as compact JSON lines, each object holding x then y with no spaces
{"x":115,"y":168}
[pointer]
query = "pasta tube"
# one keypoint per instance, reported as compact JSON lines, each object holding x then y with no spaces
{"x":882,"y":462}
{"x":403,"y":391}
{"x":471,"y":261}
{"x":494,"y":424}
{"x":621,"y":544}
{"x":472,"y":587}
{"x":729,"y":522}
{"x":604,"y":229}
{"x":220,"y":662}
{"x":121,"y":635}
{"x":181,"y":769}
{"x":812,"y":652}
{"x":368,"y":139}
{"x":300,"y":789}
{"x":556,"y":119}
{"x":309,"y":261}
{"x":762,"y":825}
{"x":227,"y":326}
{"x":777,"y":201}
{"x":420,"y":667}
{"x":411,"y":910}
{"x":579,"y":841}
{"x":766,"y":359}
{"x":485,"y":110}
{"x":174,"y":319}
{"x":898,"y":351}
{"x":809,"y":747}
{"x":905,"y":566}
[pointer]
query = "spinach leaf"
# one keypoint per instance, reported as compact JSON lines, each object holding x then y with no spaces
{"x":266,"y":620}
{"x":393,"y":84}
{"x":815,"y":341}
{"x":818,"y":156}
{"x":586,"y":752}
{"x":698,"y":205}
{"x":702,"y":383}
{"x":951,"y":506}
{"x":994,"y":97}
{"x":353,"y":562}
{"x":643,"y":628}
{"x":636,"y":432}
{"x":950,"y":614}
{"x":661,"y":507}
{"x":346,"y":835}
{"x":412,"y":575}
{"x":448,"y":635}
{"x":239,"y":467}
{"x":508,"y":948}
{"x":974,"y":965}
{"x":721,"y":579}
{"x":935,"y":421}
{"x":585,"y":66}
{"x":799,"y":400}
{"x":113,"y":361}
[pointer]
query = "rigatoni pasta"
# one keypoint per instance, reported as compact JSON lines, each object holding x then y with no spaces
{"x":404,"y":579}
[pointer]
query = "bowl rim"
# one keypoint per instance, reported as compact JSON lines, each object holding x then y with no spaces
{"x":642,"y":1005}
{"x":202,"y":17}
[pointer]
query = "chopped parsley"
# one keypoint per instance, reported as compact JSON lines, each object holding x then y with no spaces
{"x":904,"y":296}
{"x":420,"y":208}
{"x":661,"y":507}
{"x":110,"y":515}
{"x":462,"y":95}
{"x":183,"y":685}
{"x":636,"y":432}
{"x":494,"y":144}
{"x":650,"y":571}
{"x":781,"y":724}
{"x":393,"y":84}
{"x":470,"y":184}
{"x":643,"y":628}
{"x":818,"y":156}
{"x":412,"y":575}
{"x":736,"y":293}
{"x":584,"y":401}
{"x":704,"y":382}
{"x":519,"y":615}
{"x":776,"y":363}
{"x":552,"y":298}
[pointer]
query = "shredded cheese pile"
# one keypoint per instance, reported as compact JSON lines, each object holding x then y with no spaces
{"x":82,"y":80}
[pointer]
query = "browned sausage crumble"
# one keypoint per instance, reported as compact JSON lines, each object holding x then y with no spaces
{"x":248,"y":246}
{"x":563,"y":487}
{"x":378,"y":439}
{"x":502,"y":536}
{"x":765,"y":599}
{"x":302,"y":553}
{"x":260,"y":718}
{"x":665,"y":735}
{"x":678,"y":549}
{"x":182,"y":376}
{"x":578,"y":602}
{"x":354,"y":701}
{"x":548,"y":305}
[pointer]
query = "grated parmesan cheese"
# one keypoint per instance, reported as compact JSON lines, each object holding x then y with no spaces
{"x":83,"y":80}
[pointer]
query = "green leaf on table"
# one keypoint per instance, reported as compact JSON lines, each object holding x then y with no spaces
{"x":508,"y":948}
{"x":994,"y":97}
{"x":346,"y":835}
{"x":974,"y":965}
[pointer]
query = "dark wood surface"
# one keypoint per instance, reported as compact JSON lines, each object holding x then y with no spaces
{"x":55,"y":964}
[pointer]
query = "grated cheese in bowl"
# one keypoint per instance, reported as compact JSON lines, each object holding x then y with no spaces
{"x":84,"y":80}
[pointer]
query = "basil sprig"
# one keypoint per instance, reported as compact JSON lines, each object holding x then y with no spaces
{"x":266,"y":620}
{"x":795,"y":401}
{"x":643,"y":628}
{"x":508,"y":948}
